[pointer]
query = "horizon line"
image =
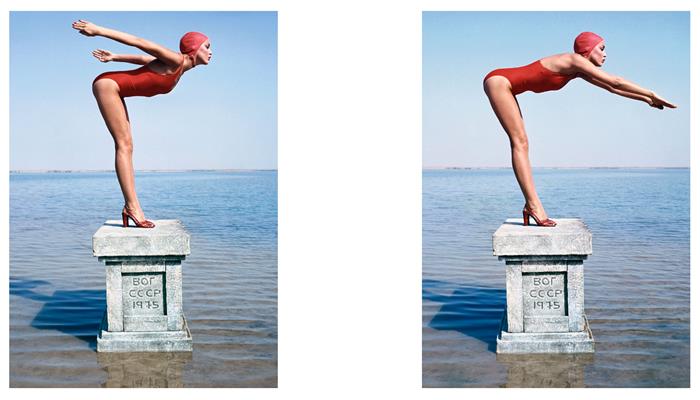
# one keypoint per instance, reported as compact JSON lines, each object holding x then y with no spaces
{"x":49,"y":171}
{"x":560,"y":167}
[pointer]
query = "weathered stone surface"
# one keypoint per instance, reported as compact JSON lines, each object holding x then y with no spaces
{"x":544,"y":294}
{"x":544,"y":287}
{"x":569,"y":237}
{"x":514,"y":298}
{"x":137,"y":295}
{"x":115,"y":309}
{"x":575,"y":297}
{"x":546,"y":342}
{"x":168,"y":237}
{"x":174,"y":295}
{"x":144,"y":289}
{"x":163,"y":341}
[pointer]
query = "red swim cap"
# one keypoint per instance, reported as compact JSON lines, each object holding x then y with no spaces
{"x":585,"y":42}
{"x":191,"y":41}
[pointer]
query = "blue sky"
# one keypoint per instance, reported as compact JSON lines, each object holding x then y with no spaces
{"x":223,"y":115}
{"x":578,"y":126}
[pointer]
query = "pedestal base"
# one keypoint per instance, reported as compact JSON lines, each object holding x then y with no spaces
{"x":161,"y":341}
{"x":530,"y":342}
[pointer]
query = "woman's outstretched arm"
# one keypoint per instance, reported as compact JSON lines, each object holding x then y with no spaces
{"x":622,"y":93}
{"x":617,"y":84}
{"x":106,"y":56}
{"x":162,"y":53}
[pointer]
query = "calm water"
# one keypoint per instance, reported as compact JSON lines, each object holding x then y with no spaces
{"x":57,"y":289}
{"x":637,"y":289}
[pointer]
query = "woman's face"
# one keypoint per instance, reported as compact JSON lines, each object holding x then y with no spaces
{"x":597,"y":55}
{"x":203,"y":54}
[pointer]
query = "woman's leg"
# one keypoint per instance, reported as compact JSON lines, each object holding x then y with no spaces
{"x":507,"y":110}
{"x":116,"y":118}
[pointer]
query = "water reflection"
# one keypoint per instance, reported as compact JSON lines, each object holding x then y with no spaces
{"x":545,"y":370}
{"x":143,"y":370}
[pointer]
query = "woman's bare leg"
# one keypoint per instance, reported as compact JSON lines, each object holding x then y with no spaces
{"x":507,"y":110}
{"x":116,"y":118}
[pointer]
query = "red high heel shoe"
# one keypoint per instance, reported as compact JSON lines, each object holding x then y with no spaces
{"x":126,"y":215}
{"x":527,"y":213}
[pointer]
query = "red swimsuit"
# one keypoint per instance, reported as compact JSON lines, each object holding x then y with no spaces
{"x":533,"y":77}
{"x":143,"y":81}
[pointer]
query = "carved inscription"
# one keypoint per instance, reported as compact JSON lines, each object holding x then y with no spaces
{"x":544,"y":294}
{"x":143,"y":294}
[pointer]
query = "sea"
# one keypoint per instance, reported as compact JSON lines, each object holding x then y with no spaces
{"x":57,"y":288}
{"x":637,"y":281}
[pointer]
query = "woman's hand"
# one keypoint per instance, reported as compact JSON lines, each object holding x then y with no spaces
{"x":651,"y":103}
{"x":103,"y":55}
{"x":658,"y":102}
{"x":86,"y":28}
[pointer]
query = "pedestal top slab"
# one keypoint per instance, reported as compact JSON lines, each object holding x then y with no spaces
{"x":570,"y":237}
{"x":168,"y":237}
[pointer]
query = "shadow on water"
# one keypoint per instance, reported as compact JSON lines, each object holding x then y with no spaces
{"x":471,"y":310}
{"x":75,"y":312}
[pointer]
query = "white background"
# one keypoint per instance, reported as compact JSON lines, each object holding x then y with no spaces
{"x":349,"y":196}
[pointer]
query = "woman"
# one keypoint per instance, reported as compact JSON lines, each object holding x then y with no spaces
{"x":552,"y":73}
{"x":161,"y":71}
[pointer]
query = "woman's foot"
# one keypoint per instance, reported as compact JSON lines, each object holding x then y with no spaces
{"x":538,"y":214}
{"x":137,"y":216}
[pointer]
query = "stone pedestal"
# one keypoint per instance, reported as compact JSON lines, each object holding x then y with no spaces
{"x":144,"y":287}
{"x":544,"y":287}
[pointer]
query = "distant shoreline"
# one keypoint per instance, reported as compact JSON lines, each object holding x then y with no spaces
{"x":494,"y":168}
{"x":78,"y":171}
{"x":82,"y":171}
